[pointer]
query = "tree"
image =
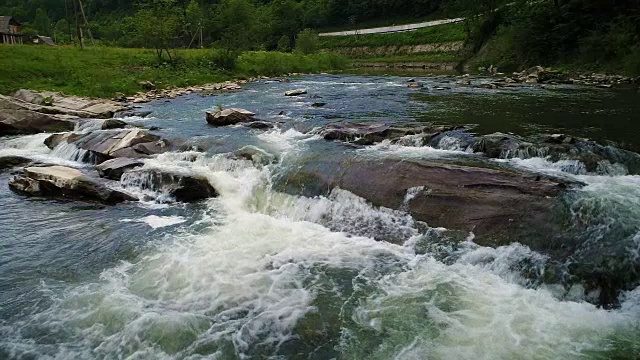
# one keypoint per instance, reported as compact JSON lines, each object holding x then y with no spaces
{"x":62,"y":32}
{"x":284,"y":44}
{"x":158,"y":25}
{"x":307,"y":42}
{"x":194,"y":17}
{"x":42,"y":23}
{"x":237,"y":22}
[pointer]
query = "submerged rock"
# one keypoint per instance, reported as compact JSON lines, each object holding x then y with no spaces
{"x":415,"y":85}
{"x":105,"y":145}
{"x":8,"y":162}
{"x":115,"y":168}
{"x":182,"y":187}
{"x":296,"y":92}
{"x":61,"y":181}
{"x":131,"y":113}
{"x":256,"y":155}
{"x":496,"y":205}
{"x":229,"y":117}
{"x":318,"y":104}
{"x":594,"y":157}
{"x":369,"y":134}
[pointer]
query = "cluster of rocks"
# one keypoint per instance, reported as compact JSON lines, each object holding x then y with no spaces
{"x":542,"y":75}
{"x":154,"y":94}
{"x":119,"y":155}
{"x":593,"y":157}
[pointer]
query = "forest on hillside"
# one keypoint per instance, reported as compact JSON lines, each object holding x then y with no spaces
{"x":596,"y":32}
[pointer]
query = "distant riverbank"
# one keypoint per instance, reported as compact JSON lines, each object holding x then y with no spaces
{"x":108,"y":72}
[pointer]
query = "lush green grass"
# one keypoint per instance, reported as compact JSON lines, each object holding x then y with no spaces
{"x":431,"y":35}
{"x":105,"y":72}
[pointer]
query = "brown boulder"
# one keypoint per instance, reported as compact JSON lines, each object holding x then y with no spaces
{"x":494,"y":204}
{"x":229,"y":117}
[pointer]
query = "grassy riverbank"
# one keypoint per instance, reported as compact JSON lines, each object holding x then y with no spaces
{"x":105,"y":72}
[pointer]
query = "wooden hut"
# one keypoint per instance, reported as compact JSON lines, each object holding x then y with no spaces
{"x":10,"y":30}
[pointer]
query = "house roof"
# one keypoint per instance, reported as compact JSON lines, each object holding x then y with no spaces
{"x":46,"y":40}
{"x":5,"y":21}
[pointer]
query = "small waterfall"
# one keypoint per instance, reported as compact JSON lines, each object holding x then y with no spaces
{"x":71,"y":152}
{"x":88,"y":125}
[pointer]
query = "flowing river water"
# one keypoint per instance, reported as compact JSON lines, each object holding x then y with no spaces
{"x":260,"y":273}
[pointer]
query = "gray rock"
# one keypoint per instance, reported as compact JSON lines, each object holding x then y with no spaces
{"x":60,"y":181}
{"x":296,"y":92}
{"x":114,"y":168}
{"x":256,"y":155}
{"x":182,"y":187}
{"x":111,"y":124}
{"x":22,"y":122}
{"x":8,"y":162}
{"x":60,"y":104}
{"x":229,"y":117}
{"x":105,"y":145}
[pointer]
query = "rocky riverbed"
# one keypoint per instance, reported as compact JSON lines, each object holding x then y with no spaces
{"x":258,"y":209}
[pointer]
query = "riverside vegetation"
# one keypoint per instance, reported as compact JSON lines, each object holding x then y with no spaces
{"x":105,"y":72}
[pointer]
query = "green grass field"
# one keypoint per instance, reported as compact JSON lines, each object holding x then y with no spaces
{"x":105,"y":72}
{"x":431,"y":35}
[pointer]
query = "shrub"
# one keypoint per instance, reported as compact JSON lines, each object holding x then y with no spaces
{"x":307,"y":42}
{"x":225,"y":60}
{"x":284,"y":44}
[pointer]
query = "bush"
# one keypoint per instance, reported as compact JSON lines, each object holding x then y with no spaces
{"x":223,"y":59}
{"x":284,"y":44}
{"x":307,"y":42}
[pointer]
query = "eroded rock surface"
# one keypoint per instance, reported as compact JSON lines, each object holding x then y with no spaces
{"x":61,"y":181}
{"x":229,"y":117}
{"x":115,"y":168}
{"x":105,"y":145}
{"x":181,"y":187}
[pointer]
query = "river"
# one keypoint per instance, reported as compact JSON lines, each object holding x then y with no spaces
{"x":265,"y":273}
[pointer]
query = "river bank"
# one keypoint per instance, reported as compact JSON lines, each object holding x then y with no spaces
{"x":105,"y":72}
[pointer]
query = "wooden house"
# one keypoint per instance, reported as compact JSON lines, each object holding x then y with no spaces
{"x":10,"y":30}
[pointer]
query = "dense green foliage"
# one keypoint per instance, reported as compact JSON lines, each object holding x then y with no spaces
{"x":246,"y":24}
{"x":587,"y":34}
{"x":105,"y":72}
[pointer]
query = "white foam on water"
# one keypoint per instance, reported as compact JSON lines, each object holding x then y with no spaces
{"x":462,"y":311}
{"x":388,"y":148}
{"x":24,"y":145}
{"x":245,"y":283}
{"x":157,"y":222}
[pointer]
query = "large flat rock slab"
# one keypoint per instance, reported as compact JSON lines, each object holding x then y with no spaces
{"x":495,"y":204}
{"x":65,"y":182}
{"x":24,"y":122}
{"x":105,"y":145}
{"x":58,"y":103}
